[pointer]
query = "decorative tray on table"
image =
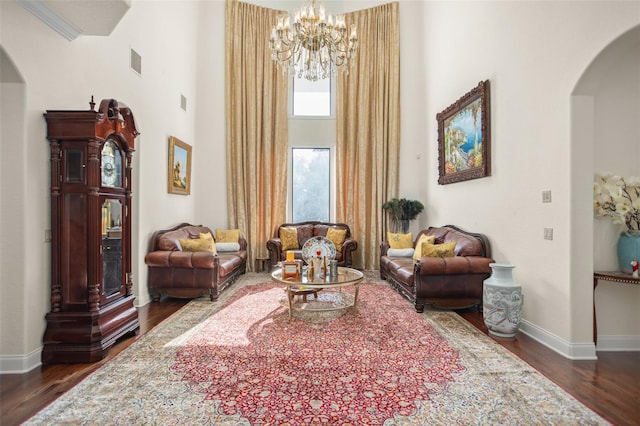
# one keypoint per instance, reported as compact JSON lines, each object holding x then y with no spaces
{"x":318,"y":247}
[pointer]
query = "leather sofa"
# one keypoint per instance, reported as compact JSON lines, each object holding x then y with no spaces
{"x":442,"y":282}
{"x":177,"y":273}
{"x":306,"y":230}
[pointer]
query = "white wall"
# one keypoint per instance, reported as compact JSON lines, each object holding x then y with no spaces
{"x":59,"y":74}
{"x":534,"y":53}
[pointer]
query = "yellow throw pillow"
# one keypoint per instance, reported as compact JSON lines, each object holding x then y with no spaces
{"x":337,"y":237}
{"x":206,"y":236}
{"x":439,"y":250}
{"x":400,"y":241}
{"x":289,"y":238}
{"x":227,"y":235}
{"x":428,"y":239}
{"x":194,"y":244}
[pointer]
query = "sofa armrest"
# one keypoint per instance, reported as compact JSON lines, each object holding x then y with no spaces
{"x":456,"y":265}
{"x":384,"y":248}
{"x":348,"y":247}
{"x":243,"y":243}
{"x":274,"y":246}
{"x":182,"y":259}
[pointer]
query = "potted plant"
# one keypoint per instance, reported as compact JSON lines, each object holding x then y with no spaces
{"x":401,"y":212}
{"x":618,"y":197}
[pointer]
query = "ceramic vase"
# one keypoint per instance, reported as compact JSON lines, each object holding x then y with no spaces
{"x":502,"y":301}
{"x":628,"y":249}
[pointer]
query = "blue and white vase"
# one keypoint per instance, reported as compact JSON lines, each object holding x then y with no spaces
{"x":628,"y":249}
{"x":502,"y":301}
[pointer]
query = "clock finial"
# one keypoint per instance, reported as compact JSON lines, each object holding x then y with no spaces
{"x":92,"y":104}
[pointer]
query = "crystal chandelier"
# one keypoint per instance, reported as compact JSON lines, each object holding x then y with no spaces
{"x":316,"y":47}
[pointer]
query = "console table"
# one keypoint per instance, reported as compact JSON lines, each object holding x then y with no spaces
{"x":614,"y":276}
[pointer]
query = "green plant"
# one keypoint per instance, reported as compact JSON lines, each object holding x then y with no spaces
{"x":401,"y":212}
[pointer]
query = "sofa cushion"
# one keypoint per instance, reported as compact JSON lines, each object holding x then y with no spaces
{"x":304,"y":233}
{"x":227,"y":247}
{"x":289,"y":239}
{"x":206,"y":236}
{"x":337,"y":237}
{"x":439,"y":250}
{"x":400,"y":252}
{"x":422,"y":239}
{"x":196,"y":244}
{"x":170,"y":240}
{"x":227,"y":235}
{"x":400,"y":241}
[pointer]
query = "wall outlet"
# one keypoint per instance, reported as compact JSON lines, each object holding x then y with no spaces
{"x":47,"y":235}
{"x":548,"y":233}
{"x":546,"y":196}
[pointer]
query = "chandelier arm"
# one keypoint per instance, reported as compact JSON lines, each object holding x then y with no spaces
{"x":313,"y":48}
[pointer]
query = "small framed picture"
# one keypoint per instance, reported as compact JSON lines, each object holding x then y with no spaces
{"x":464,"y":137}
{"x":179,"y":180}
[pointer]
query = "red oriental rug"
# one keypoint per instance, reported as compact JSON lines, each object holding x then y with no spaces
{"x":241,"y":361}
{"x":374,"y":361}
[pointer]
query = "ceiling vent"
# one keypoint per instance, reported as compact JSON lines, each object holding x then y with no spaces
{"x":136,"y":62}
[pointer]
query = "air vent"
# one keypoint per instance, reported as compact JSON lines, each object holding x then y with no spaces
{"x":183,"y":102}
{"x":136,"y":62}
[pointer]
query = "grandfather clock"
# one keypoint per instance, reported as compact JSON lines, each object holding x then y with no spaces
{"x":91,"y":283}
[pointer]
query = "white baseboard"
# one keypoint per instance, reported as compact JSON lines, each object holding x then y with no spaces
{"x":618,"y":343}
{"x":20,"y":364}
{"x":575,"y":351}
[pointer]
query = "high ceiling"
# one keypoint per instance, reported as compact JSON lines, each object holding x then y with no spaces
{"x":80,"y":17}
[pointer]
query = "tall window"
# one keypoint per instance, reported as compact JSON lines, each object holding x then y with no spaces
{"x":311,"y":184}
{"x":312,"y":98}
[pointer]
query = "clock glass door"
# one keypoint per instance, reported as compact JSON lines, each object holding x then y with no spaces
{"x":111,"y":165}
{"x":112,"y":257}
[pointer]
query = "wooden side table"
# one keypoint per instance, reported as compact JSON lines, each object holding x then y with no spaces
{"x":615,"y":276}
{"x":261,"y":264}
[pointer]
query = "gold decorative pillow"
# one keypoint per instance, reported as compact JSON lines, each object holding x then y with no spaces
{"x":289,"y":238}
{"x":227,"y":235}
{"x":337,"y":237}
{"x":400,"y":241}
{"x":194,"y":244}
{"x":439,"y":250}
{"x":428,"y":239}
{"x":206,"y":236}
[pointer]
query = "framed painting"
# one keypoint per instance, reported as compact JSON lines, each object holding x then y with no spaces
{"x":464,"y":137}
{"x":179,"y":181}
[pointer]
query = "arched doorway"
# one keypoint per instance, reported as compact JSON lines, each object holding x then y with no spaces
{"x":605,"y":137}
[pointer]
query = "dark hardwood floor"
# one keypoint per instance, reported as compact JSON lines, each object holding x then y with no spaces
{"x":610,"y":386}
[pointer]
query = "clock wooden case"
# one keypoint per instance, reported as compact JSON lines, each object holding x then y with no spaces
{"x":91,"y":281}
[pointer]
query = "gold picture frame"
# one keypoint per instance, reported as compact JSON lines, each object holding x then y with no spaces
{"x":464,"y":139}
{"x":179,"y":173}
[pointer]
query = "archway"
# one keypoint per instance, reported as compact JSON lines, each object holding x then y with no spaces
{"x":13,"y":328}
{"x":605,"y":136}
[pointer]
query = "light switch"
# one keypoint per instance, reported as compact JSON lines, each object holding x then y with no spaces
{"x":546,"y":196}
{"x":548,"y":233}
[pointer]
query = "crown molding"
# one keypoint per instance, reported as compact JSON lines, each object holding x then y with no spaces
{"x":47,"y":15}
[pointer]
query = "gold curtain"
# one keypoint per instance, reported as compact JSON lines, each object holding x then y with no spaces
{"x":368,"y":130}
{"x":257,"y":127}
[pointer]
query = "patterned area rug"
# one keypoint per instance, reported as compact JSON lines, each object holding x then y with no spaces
{"x":241,"y":361}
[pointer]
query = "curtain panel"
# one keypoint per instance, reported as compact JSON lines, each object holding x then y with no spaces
{"x":368,"y":130}
{"x":257,"y":127}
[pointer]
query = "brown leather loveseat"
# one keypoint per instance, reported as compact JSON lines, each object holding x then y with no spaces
{"x":443,"y":282}
{"x":306,"y":230}
{"x":177,"y":273}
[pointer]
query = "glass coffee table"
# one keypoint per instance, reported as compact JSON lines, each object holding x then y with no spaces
{"x":324,"y":301}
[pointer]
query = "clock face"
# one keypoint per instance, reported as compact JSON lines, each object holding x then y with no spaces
{"x":109,"y":172}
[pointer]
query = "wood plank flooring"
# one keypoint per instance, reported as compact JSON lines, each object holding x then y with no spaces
{"x":609,"y":386}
